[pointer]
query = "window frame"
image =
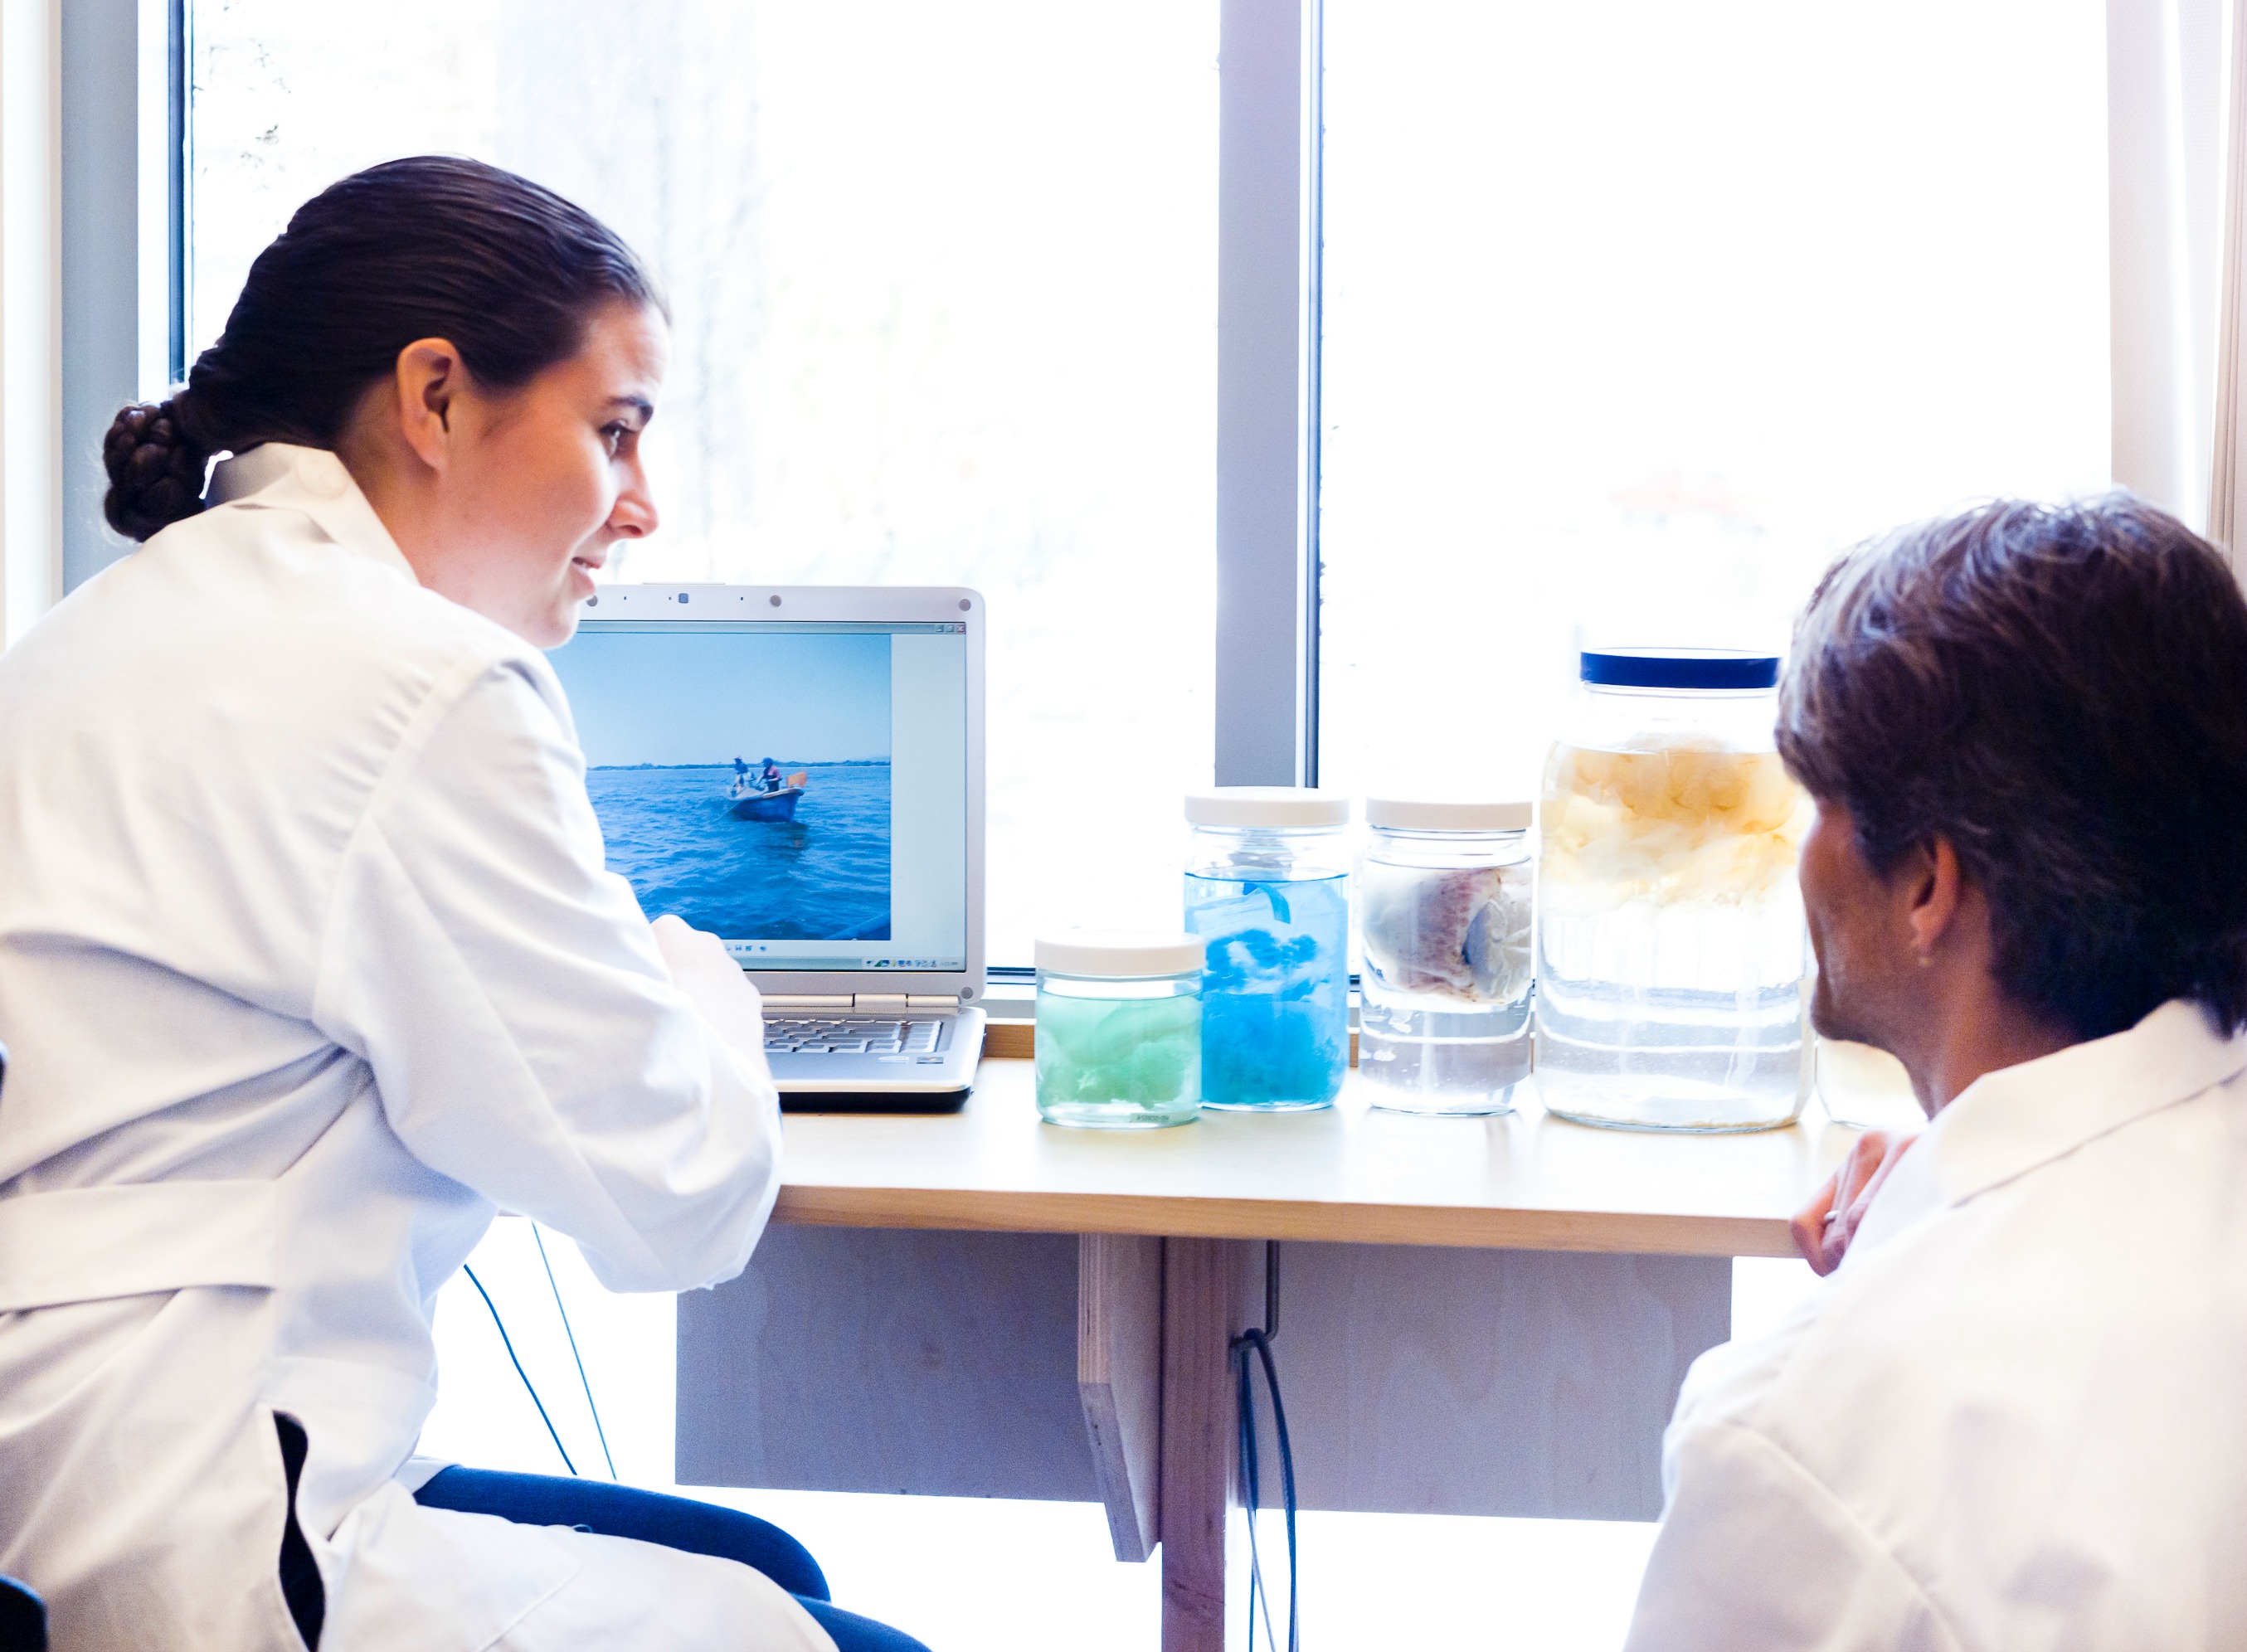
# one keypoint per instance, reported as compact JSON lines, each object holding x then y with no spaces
{"x":31,"y":446}
{"x":109,"y":263}
{"x":1270,"y":68}
{"x":1267,"y":336}
{"x":1268,"y":341}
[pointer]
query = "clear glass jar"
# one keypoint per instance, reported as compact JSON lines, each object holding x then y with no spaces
{"x":1671,"y":955}
{"x":1443,"y":903}
{"x":1267,"y":896}
{"x":1866,"y":1089}
{"x":1119,"y":1030}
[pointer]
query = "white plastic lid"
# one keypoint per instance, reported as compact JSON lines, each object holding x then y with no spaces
{"x":1126,"y":954}
{"x":1281,"y":806}
{"x":1460,"y":814}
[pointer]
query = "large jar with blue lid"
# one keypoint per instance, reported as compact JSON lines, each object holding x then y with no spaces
{"x":1671,"y":955}
{"x":1266,"y":895}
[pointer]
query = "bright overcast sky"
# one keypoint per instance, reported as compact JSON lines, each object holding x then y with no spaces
{"x":705,"y":697}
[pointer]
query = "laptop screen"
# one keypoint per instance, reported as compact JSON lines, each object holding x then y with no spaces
{"x":797,"y":788}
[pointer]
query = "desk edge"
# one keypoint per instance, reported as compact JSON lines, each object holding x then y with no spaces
{"x":1466,"y":1226}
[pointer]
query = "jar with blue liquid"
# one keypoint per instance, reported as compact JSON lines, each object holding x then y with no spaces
{"x":1266,"y":895}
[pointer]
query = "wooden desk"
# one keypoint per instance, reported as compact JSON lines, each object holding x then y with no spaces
{"x":1479,"y":1315}
{"x":1349,"y":1174}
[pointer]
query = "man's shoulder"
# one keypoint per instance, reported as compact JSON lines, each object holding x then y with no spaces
{"x":2140,"y":1226}
{"x":2070,"y":1337}
{"x":2019,"y":1287}
{"x":1732,"y":1382}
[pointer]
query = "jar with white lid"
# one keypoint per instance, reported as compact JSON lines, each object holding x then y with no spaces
{"x":1267,"y":897}
{"x":1119,"y":1029}
{"x":1672,"y":953}
{"x":1444,"y":893}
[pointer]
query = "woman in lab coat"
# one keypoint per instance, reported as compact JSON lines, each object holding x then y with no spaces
{"x":2013,"y":1417}
{"x":308,"y":960}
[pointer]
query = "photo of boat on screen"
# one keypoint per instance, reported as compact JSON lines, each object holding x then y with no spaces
{"x":742,"y":779}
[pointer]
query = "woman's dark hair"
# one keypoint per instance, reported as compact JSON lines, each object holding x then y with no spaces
{"x":2061,"y":691}
{"x":431,"y":247}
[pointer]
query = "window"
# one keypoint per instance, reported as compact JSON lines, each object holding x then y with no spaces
{"x":1632,"y":315}
{"x":943,"y":281}
{"x":1636,"y":313}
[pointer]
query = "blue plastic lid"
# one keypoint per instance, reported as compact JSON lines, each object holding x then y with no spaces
{"x":1679,"y":668}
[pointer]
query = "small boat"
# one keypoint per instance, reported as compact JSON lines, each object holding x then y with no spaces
{"x":747,"y":800}
{"x":779,"y":805}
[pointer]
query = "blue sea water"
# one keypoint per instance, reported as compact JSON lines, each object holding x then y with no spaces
{"x":824,"y":875}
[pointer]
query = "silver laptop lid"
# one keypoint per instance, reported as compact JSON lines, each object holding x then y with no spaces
{"x":797,"y":769}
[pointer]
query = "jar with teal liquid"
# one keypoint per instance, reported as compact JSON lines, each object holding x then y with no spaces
{"x":1266,"y":895}
{"x":1119,"y":1029}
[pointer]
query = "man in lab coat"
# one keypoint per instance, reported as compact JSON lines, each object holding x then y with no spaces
{"x":2014,"y":1418}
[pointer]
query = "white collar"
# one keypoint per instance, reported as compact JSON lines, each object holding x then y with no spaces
{"x":2011,"y":1122}
{"x":279,"y":475}
{"x":2014,"y":1120}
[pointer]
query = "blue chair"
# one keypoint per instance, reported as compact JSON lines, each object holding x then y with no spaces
{"x":22,"y":1619}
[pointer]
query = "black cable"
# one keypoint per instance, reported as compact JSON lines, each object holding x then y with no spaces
{"x":1245,"y":1413}
{"x":1263,"y":1347}
{"x":1259,"y":1341}
{"x":519,"y":1371}
{"x":554,"y":1285}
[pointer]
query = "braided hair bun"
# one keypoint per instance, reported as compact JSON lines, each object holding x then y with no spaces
{"x":429,"y":247}
{"x":156,"y":470}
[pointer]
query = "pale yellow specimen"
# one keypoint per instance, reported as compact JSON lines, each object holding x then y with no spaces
{"x":1672,"y":824}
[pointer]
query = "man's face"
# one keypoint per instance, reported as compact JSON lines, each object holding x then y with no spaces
{"x":1860,"y":937}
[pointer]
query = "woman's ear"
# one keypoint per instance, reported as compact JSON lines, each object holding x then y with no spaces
{"x":1936,"y":889}
{"x":429,"y":377}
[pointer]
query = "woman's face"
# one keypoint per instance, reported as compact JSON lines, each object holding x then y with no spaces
{"x":548,"y":478}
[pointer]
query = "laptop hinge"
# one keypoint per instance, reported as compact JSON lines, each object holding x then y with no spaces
{"x":862,"y":1001}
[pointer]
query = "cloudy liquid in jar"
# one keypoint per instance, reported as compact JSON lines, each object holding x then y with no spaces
{"x":1671,"y":949}
{"x":1118,"y":1054}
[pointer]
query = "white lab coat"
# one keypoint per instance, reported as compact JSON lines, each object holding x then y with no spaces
{"x":2015,"y":1417}
{"x":308,"y":960}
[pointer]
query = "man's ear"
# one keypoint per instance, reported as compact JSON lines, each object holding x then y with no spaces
{"x":1938,"y":889}
{"x":429,"y":377}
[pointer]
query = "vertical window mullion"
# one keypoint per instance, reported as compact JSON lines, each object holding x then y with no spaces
{"x":178,"y":174}
{"x":1267,"y":341}
{"x":115,"y":185}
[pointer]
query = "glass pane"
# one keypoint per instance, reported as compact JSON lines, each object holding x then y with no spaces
{"x":1636,"y":312}
{"x":943,"y":280}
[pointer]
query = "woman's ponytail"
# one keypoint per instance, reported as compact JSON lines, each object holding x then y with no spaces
{"x":432,"y":247}
{"x":156,"y":470}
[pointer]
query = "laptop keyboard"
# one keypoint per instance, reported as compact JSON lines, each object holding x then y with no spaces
{"x":849,"y":1035}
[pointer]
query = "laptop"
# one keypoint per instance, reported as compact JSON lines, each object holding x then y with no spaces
{"x":799,"y":770}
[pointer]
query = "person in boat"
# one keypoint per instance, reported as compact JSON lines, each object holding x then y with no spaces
{"x":770,"y":776}
{"x":740,"y":770}
{"x":381,"y":995}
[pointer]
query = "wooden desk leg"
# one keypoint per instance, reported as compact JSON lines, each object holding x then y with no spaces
{"x":1201,"y":1281}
